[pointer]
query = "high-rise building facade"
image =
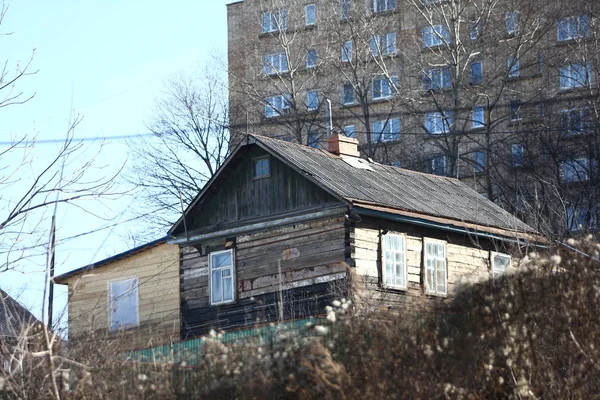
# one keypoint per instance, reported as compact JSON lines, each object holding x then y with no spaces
{"x":502,"y":94}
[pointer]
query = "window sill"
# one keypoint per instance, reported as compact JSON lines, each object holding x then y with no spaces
{"x":271,"y":33}
{"x":376,"y":14}
{"x":433,"y":92}
{"x":394,"y":289}
{"x":381,"y":99}
{"x":123,"y":328}
{"x":436,"y":295}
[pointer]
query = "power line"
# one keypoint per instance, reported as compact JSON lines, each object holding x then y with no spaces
{"x":84,"y":139}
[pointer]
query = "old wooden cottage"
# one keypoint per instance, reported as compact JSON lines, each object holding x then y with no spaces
{"x":132,"y":296}
{"x":282,"y":229}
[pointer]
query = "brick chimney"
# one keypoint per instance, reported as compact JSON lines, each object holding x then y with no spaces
{"x":342,"y":145}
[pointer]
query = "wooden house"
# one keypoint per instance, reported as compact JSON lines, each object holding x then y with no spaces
{"x":132,"y":296}
{"x":283,"y":229}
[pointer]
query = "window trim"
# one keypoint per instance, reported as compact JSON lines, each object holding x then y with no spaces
{"x":430,"y":31}
{"x":270,"y":65}
{"x":306,"y":22}
{"x":572,"y":19}
{"x":391,"y":83}
{"x":278,"y":112}
{"x":587,"y":66}
{"x":277,"y":28}
{"x":254,"y":161}
{"x":383,"y":266}
{"x":493,"y":254}
{"x":112,"y":328}
{"x":233,"y":277}
{"x":425,"y":282}
{"x":387,"y":126}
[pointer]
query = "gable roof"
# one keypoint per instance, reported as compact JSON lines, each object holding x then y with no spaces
{"x":13,"y":316}
{"x":362,"y":183}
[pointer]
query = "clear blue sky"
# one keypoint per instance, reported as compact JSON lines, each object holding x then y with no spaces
{"x":108,"y":60}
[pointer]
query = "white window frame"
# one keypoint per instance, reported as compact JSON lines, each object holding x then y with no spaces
{"x":384,"y":88}
{"x":495,"y":272}
{"x":386,"y":130}
{"x":211,"y":269}
{"x":276,"y":63}
{"x":378,"y":6}
{"x":478,"y":117}
{"x":112,"y":325}
{"x":568,"y":75}
{"x":584,"y":120}
{"x":311,"y":58}
{"x":437,"y":79}
{"x":517,"y":152}
{"x":435,"y":35}
{"x":513,"y":65}
{"x":432,"y":161}
{"x":570,"y":28}
{"x":575,"y":170}
{"x":278,"y":21}
{"x":349,"y":131}
{"x":312,"y":100}
{"x":271,"y":111}
{"x":347,"y":51}
{"x":395,"y":281}
{"x":307,"y":13}
{"x":434,"y":258}
{"x":438,"y":123}
{"x":511,"y":22}
{"x":384,"y":45}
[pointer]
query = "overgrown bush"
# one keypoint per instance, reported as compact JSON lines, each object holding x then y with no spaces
{"x":534,"y":333}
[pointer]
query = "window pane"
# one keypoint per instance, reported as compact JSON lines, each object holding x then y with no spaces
{"x":227,"y":289}
{"x":222,"y":259}
{"x":216,"y":289}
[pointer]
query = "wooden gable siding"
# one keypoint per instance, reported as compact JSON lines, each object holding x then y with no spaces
{"x":240,"y":197}
{"x":157,"y":270}
{"x":468,"y":261}
{"x":312,"y":257}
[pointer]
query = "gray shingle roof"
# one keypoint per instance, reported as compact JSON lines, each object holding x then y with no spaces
{"x":13,"y":316}
{"x":395,"y":187}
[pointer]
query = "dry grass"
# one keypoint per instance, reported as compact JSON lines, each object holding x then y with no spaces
{"x":533,"y":334}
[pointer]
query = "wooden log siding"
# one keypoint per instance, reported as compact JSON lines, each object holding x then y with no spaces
{"x":465,"y":262}
{"x":312,"y":258}
{"x":157,"y":270}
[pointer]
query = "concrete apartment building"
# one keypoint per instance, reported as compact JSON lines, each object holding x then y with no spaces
{"x":501,"y":94}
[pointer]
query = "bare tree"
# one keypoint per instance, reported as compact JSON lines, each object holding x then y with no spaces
{"x":189,"y":141}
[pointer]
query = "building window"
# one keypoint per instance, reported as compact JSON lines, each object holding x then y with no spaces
{"x":581,"y":218}
{"x":435,"y":267}
{"x":311,"y":58}
{"x":576,"y":170}
{"x":576,"y":121}
{"x":513,"y":67}
{"x":275,"y":63}
{"x":310,"y":14}
{"x":382,"y":5}
{"x":435,"y":35}
{"x":394,"y":261}
{"x":540,"y":63}
{"x":347,"y":51}
{"x":348,"y":94}
{"x":479,"y":161}
{"x":344,"y":9}
{"x":383,"y":44}
{"x":312,"y":100}
{"x":500,"y":263}
{"x":386,"y":130}
{"x":478,"y":117}
{"x":475,"y":31}
{"x":222,"y":279}
{"x":476,"y":73}
{"x":384,"y":87}
{"x":575,"y":76}
{"x":261,"y":167}
{"x":518,"y":155}
{"x":511,"y":22}
{"x":437,"y":79}
{"x":397,"y":164}
{"x":515,"y":110}
{"x":438,"y":165}
{"x":6,"y":365}
{"x":574,"y":27}
{"x":273,"y":21}
{"x":276,"y":106}
{"x":124,"y":307}
{"x":314,"y":140}
{"x":349,"y":131}
{"x":438,"y":123}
